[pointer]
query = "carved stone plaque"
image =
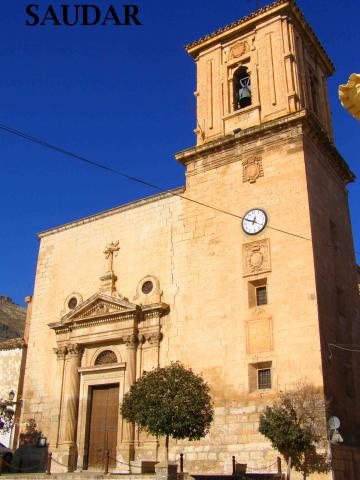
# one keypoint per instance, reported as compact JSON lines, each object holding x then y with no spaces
{"x":239,"y":49}
{"x":259,"y":335}
{"x":256,"y":257}
{"x":252,"y":169}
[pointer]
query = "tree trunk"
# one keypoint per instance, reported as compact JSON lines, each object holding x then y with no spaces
{"x":167,"y":448}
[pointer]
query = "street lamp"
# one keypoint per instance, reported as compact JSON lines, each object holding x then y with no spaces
{"x":11,"y":396}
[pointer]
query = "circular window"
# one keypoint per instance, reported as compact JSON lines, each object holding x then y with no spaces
{"x":147,"y":287}
{"x":106,"y":357}
{"x":72,"y":303}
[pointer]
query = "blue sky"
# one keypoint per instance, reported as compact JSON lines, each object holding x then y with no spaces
{"x":123,"y":97}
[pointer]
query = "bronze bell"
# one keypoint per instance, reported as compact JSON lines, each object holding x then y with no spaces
{"x":244,"y":92}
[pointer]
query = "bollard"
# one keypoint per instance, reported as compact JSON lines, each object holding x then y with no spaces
{"x":107,"y":458}
{"x":181,"y":463}
{"x":1,"y":463}
{"x":48,"y":467}
{"x":233,"y":465}
{"x":278,"y":460}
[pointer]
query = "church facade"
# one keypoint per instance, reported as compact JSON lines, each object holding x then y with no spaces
{"x":247,"y":274}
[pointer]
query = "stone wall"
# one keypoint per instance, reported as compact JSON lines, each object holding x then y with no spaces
{"x":10,"y":363}
{"x":197,"y":255}
{"x":337,"y":290}
{"x":346,"y":462}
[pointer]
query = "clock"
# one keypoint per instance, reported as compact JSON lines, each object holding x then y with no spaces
{"x":254,"y":221}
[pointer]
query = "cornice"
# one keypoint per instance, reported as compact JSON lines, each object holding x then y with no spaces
{"x":155,"y":309}
{"x":13,"y":344}
{"x":113,"y":309}
{"x":76,"y":324}
{"x":307,"y":122}
{"x":103,"y":368}
{"x":241,"y":136}
{"x":112,"y":211}
{"x":250,"y":21}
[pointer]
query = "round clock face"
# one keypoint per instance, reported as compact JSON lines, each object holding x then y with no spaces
{"x":254,"y":221}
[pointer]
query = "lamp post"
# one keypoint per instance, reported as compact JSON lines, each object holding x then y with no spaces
{"x":9,"y":407}
{"x":11,"y":396}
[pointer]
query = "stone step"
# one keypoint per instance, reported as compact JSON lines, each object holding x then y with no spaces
{"x":144,"y":476}
{"x":76,"y":476}
{"x":245,"y":476}
{"x":114,"y":476}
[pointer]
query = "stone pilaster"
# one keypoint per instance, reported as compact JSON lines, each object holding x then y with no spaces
{"x":126,"y":450}
{"x":66,"y":452}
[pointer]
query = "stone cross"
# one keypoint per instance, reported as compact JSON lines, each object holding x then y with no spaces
{"x":110,"y":251}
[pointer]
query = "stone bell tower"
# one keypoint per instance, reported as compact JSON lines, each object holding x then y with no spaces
{"x":260,"y":68}
{"x":265,"y":153}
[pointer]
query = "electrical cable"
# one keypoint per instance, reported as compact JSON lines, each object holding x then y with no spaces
{"x":141,"y":181}
{"x":341,"y":347}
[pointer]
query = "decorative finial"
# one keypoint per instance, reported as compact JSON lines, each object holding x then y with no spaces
{"x":110,"y":251}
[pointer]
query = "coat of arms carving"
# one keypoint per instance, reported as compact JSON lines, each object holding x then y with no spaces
{"x":252,"y":169}
{"x":256,"y":257}
{"x":239,"y":49}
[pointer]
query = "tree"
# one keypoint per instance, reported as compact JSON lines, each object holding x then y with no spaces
{"x":296,"y":427}
{"x":170,"y":402}
{"x":6,"y":417}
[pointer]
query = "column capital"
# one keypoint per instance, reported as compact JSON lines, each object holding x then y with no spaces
{"x":60,"y":352}
{"x":132,"y":341}
{"x":155,"y":338}
{"x":75,"y":350}
{"x":142,"y":338}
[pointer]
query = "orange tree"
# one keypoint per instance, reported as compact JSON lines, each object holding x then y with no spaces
{"x":172,"y":402}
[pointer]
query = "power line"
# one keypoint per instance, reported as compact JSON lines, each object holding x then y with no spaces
{"x":346,"y":348}
{"x":43,"y":143}
{"x":81,"y":158}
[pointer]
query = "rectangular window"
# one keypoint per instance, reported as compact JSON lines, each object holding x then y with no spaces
{"x":261,"y":296}
{"x":264,"y":378}
{"x":260,"y":376}
{"x":257,"y":292}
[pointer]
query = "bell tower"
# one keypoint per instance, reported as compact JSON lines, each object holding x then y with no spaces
{"x":260,"y":68}
{"x":265,"y":153}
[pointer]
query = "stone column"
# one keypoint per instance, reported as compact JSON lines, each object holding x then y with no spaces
{"x":149,"y":447}
{"x":60,"y":354}
{"x":66,"y":451}
{"x":127,"y":448}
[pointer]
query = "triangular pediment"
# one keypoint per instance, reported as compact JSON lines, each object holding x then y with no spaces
{"x":99,"y":305}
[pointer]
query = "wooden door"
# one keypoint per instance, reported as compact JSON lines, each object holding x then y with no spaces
{"x":103,"y":425}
